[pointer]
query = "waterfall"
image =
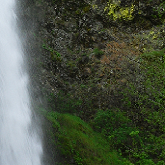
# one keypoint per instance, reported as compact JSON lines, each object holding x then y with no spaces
{"x":19,"y":143}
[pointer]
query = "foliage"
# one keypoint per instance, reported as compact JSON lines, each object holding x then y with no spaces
{"x":117,"y":128}
{"x":135,"y":129}
{"x":77,"y":140}
{"x":160,"y":10}
{"x":108,"y":121}
{"x":143,"y":101}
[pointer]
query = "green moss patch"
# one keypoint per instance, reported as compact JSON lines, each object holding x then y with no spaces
{"x":79,"y":144}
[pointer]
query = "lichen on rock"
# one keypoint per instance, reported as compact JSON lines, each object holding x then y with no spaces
{"x":117,"y":12}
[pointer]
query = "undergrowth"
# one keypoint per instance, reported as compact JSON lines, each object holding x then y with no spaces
{"x":77,"y":140}
{"x":133,"y":131}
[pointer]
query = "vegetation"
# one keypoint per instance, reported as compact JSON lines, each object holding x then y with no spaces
{"x":98,"y":53}
{"x":77,"y":141}
{"x":136,"y":10}
{"x":108,"y":97}
{"x":117,"y":12}
{"x":135,"y":129}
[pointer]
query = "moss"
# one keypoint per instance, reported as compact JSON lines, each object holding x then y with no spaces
{"x":98,"y":53}
{"x":71,"y":64}
{"x":118,"y":12}
{"x":94,"y":6}
{"x":55,"y":56}
{"x":79,"y":144}
{"x":86,"y":9}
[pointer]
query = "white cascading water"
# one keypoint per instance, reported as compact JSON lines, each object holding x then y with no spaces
{"x":19,"y":145}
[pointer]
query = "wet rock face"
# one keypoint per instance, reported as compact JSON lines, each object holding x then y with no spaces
{"x":82,"y":45}
{"x":71,"y":24}
{"x":73,"y":30}
{"x":77,"y":24}
{"x":149,"y":10}
{"x":131,"y":11}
